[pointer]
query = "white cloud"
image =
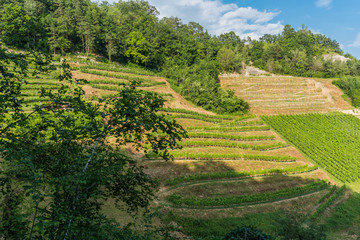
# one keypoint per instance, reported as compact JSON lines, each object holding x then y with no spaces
{"x":218,"y":17}
{"x":323,"y":3}
{"x":356,"y":43}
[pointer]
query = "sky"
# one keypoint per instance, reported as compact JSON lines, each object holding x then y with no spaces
{"x":337,"y":19}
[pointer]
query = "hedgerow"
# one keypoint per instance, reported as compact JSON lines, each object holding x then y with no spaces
{"x":177,"y":200}
{"x":192,"y":143}
{"x":226,"y":175}
{"x":328,"y":202}
{"x":229,"y":137}
{"x":227,"y":156}
{"x":230,"y":129}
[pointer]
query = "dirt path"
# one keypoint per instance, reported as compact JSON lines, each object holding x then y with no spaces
{"x":179,"y":101}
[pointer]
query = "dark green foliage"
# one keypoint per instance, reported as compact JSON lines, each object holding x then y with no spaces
{"x":220,"y":175}
{"x":292,"y":226}
{"x":328,"y":202}
{"x":200,"y":84}
{"x":228,"y":201}
{"x":247,"y":233}
{"x":202,"y":143}
{"x":57,"y":166}
{"x":230,"y":129}
{"x":351,"y":87}
{"x":229,"y":137}
{"x":346,"y":216}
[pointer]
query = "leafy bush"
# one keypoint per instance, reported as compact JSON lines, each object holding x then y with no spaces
{"x":247,"y":233}
{"x":351,"y":87}
{"x":199,"y":83}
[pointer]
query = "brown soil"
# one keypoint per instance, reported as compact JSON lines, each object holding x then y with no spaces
{"x":170,"y":169}
{"x":303,"y":204}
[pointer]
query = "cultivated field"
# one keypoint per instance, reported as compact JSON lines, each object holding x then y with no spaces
{"x":282,"y":94}
{"x":230,"y":167}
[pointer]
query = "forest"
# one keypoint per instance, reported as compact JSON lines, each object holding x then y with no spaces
{"x":190,"y":57}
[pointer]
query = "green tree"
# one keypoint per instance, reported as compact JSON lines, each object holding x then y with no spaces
{"x":60,"y":162}
{"x":15,"y":25}
{"x":136,"y":47}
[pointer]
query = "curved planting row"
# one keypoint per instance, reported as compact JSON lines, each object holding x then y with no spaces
{"x":197,"y":117}
{"x":229,"y":201}
{"x":328,"y":202}
{"x":116,"y":68}
{"x":233,"y":174}
{"x":241,"y":123}
{"x":230,"y":129}
{"x":229,"y":137}
{"x":221,"y":117}
{"x":115,"y":75}
{"x":228,"y":156}
{"x":192,"y":143}
{"x":331,"y":140}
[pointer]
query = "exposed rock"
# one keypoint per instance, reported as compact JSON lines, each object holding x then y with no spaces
{"x":335,"y":57}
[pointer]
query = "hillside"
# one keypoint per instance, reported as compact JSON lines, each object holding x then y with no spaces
{"x":286,"y":94}
{"x":116,"y":123}
{"x":233,"y":167}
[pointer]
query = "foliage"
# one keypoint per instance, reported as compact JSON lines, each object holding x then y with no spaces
{"x":328,"y":194}
{"x":220,"y":175}
{"x":345,"y":216}
{"x":328,"y":202}
{"x":294,"y":226}
{"x":229,"y":137}
{"x":136,"y":47}
{"x":176,"y":110}
{"x":247,"y":233}
{"x":228,"y":201}
{"x":194,"y":143}
{"x":213,"y":156}
{"x":230,"y":129}
{"x":57,"y":166}
{"x":218,"y":228}
{"x":330,"y":140}
{"x":351,"y":87}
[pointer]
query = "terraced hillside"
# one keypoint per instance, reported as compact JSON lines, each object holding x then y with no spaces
{"x":229,"y":167}
{"x":281,"y":94}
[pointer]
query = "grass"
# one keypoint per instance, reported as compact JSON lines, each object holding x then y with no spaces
{"x":217,"y":228}
{"x":229,"y":137}
{"x":345,"y":217}
{"x":284,"y":193}
{"x":117,"y":68}
{"x":221,"y":117}
{"x":230,"y":129}
{"x":115,"y":75}
{"x":328,"y":202}
{"x":214,"y":156}
{"x":234,"y":174}
{"x":243,"y":186}
{"x":192,"y":143}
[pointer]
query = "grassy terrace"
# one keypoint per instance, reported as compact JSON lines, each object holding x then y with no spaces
{"x":230,"y":162}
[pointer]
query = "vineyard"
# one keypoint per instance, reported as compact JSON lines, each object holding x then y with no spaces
{"x":331,"y":140}
{"x":280,"y":94}
{"x":232,"y":163}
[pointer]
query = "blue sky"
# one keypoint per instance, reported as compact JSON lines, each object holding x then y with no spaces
{"x":338,"y":19}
